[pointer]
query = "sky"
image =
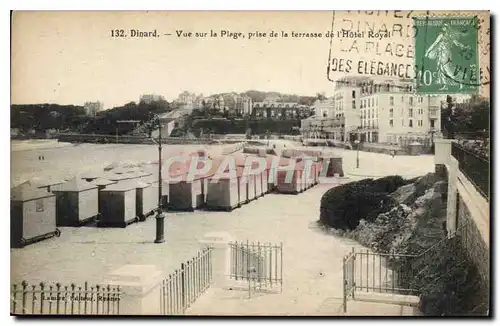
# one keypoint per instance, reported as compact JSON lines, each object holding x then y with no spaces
{"x":71,"y":57}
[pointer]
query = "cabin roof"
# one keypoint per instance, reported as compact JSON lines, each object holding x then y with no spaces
{"x":28,"y":191}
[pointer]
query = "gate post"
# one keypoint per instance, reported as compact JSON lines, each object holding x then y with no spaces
{"x":221,"y":257}
{"x":140,"y":289}
{"x":344,"y":285}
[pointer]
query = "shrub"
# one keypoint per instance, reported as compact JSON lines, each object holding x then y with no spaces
{"x":342,"y":207}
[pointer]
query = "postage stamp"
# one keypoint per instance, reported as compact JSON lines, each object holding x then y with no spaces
{"x":446,"y":55}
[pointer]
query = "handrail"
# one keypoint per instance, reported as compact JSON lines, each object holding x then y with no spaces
{"x":461,"y":147}
{"x":475,"y":167}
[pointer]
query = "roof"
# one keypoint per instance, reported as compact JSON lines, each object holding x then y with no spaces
{"x":126,"y":185}
{"x":92,"y":174}
{"x":102,"y":182}
{"x":47,"y":181}
{"x":28,"y":191}
{"x":75,"y":184}
{"x":138,"y":174}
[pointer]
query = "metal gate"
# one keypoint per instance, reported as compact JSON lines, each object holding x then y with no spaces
{"x":349,"y":284}
{"x":261,"y":265}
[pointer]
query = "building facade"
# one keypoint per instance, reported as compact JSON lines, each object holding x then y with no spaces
{"x":274,"y":108}
{"x":244,"y":105}
{"x":380,"y":111}
{"x":150,"y":98}
{"x":324,"y":108}
{"x":186,"y":98}
{"x":92,"y":108}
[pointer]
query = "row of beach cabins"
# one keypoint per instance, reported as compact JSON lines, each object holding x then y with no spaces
{"x":123,"y":195}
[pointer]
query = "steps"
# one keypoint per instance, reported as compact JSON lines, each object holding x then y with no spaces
{"x":388,"y":298}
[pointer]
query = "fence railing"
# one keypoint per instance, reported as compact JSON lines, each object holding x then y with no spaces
{"x":475,"y":167}
{"x":261,"y":264}
{"x":182,"y":287}
{"x":57,"y":299}
{"x":388,"y":272}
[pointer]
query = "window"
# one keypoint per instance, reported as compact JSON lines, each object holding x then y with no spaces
{"x":411,"y":100}
{"x":432,"y":123}
{"x":368,"y":102}
{"x":353,"y":94}
{"x":391,"y":123}
{"x":402,"y":99}
{"x":410,"y":113}
{"x":353,"y":104}
{"x":391,"y":100}
{"x":420,"y":123}
{"x":391,"y":112}
{"x":410,"y":124}
{"x":39,"y":205}
{"x":373,"y":101}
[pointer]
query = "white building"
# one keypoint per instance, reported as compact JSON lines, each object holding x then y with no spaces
{"x":244,"y":105}
{"x":380,"y":110}
{"x":186,"y":98}
{"x":150,"y":98}
{"x":324,"y":108}
{"x":91,"y":108}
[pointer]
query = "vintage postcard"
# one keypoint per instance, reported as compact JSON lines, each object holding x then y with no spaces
{"x":250,"y":163}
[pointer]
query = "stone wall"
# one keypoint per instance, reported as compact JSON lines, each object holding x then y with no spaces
{"x":467,"y":213}
{"x":473,"y":244}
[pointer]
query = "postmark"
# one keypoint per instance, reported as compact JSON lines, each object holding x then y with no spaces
{"x":446,"y":55}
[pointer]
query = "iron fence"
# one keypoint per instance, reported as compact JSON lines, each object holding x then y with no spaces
{"x":383,"y":273}
{"x":182,"y":287}
{"x":388,"y":272}
{"x":475,"y":167}
{"x":260,"y":264}
{"x":57,"y":299}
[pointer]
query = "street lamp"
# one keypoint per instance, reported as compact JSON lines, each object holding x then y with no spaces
{"x":160,"y":215}
{"x":357,"y":153}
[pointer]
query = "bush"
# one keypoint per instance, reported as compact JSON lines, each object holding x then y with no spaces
{"x":450,"y":282}
{"x":342,"y":207}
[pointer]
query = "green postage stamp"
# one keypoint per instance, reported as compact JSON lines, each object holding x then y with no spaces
{"x":446,"y":57}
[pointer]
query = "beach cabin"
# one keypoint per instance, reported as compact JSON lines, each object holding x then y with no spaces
{"x":101,"y":184}
{"x":228,"y":192}
{"x":186,"y":194}
{"x":333,"y":165}
{"x":146,"y":199}
{"x":77,"y":202}
{"x":32,"y":214}
{"x":215,"y":191}
{"x":118,"y":204}
{"x":247,"y":178}
{"x":153,"y":181}
{"x":271,"y":172}
{"x":294,"y":185}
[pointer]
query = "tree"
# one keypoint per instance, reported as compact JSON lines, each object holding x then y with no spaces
{"x":471,"y":118}
{"x":321,"y":96}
